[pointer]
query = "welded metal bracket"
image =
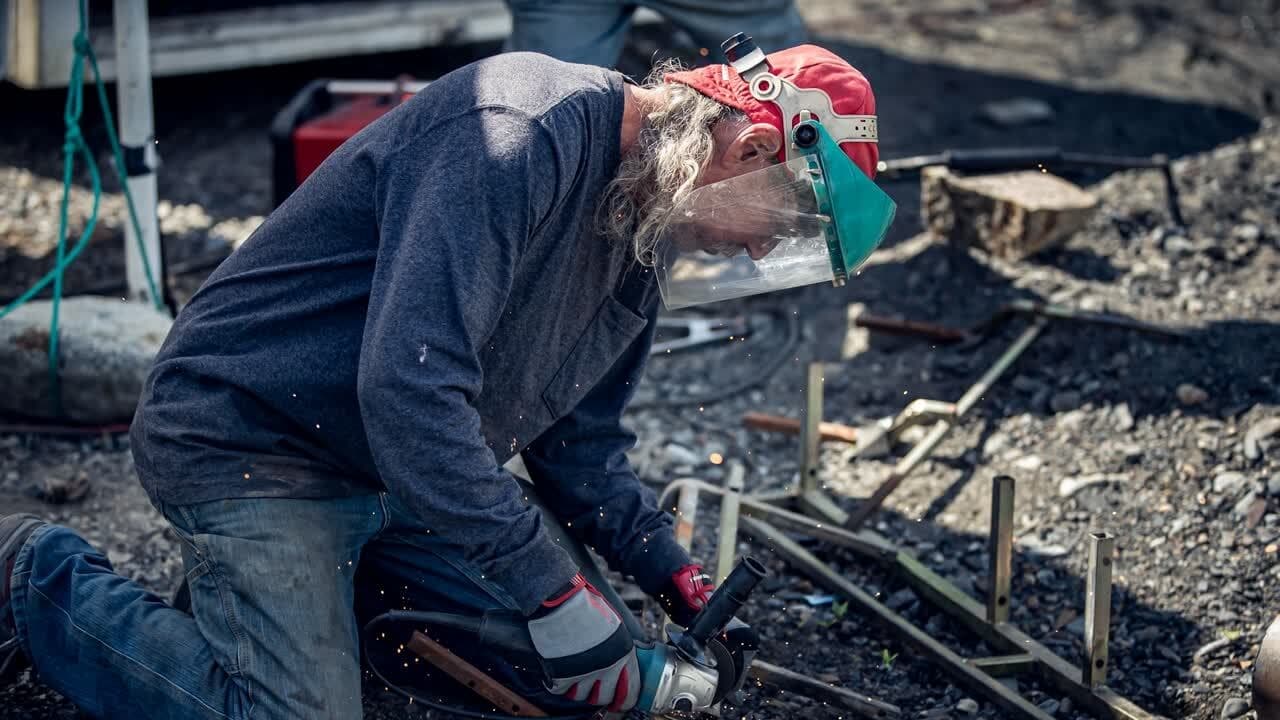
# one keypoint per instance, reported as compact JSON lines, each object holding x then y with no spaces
{"x":1023,"y":655}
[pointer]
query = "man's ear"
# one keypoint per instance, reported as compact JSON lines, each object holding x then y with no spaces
{"x":756,"y":145}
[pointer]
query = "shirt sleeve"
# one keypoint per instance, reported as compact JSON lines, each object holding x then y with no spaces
{"x":452,"y":226}
{"x":580,"y":467}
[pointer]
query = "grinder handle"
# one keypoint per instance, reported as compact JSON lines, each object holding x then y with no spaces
{"x":723,"y":605}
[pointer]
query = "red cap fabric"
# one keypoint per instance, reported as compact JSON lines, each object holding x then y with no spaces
{"x":807,"y":66}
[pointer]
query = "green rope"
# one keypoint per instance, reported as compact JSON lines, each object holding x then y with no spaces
{"x":73,"y":143}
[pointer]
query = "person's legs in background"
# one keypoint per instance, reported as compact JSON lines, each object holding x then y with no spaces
{"x":272,"y":632}
{"x":595,"y":31}
{"x":579,"y":31}
{"x":774,"y":24}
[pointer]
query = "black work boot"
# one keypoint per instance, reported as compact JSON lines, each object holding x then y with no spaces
{"x":14,"y":531}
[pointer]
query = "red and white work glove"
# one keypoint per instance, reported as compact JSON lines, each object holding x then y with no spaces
{"x":586,"y":651}
{"x":686,"y":593}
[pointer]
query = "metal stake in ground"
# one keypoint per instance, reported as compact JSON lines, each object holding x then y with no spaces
{"x":811,"y":497}
{"x":729,"y":504}
{"x":1022,"y":653}
{"x":1001,"y":549}
{"x":1097,"y":608}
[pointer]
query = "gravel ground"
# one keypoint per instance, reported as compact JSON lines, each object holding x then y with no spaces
{"x":1160,"y":430}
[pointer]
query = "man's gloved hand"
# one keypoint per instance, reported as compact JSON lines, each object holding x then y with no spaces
{"x":686,"y":593}
{"x":586,"y":651}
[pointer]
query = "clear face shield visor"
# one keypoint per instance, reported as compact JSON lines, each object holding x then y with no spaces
{"x":815,"y":218}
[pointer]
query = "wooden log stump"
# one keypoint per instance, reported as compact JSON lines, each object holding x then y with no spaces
{"x":1010,"y":215}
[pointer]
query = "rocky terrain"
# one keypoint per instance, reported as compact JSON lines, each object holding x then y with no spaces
{"x":1173,"y":445}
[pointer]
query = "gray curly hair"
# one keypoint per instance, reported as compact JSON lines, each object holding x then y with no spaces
{"x":663,"y":166}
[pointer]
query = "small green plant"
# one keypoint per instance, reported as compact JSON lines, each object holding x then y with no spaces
{"x":887,"y":658}
{"x":838,"y":609}
{"x":1231,"y":635}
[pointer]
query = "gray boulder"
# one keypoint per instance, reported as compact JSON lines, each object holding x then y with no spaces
{"x":105,"y":350}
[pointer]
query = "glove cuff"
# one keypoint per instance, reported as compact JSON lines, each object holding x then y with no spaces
{"x":562,"y":593}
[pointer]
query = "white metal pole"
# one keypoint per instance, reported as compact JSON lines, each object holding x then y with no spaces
{"x":137,"y":140}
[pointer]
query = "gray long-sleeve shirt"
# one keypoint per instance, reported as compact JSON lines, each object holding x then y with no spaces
{"x":430,"y":302}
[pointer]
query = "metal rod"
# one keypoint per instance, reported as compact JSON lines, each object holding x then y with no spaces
{"x":980,"y":388}
{"x":776,"y":423}
{"x":917,"y":328}
{"x":810,"y":432}
{"x":963,"y":673}
{"x":925,"y":447}
{"x":866,"y":706}
{"x":726,"y":548}
{"x":863,"y":542}
{"x":1005,"y":665}
{"x":1001,"y":549}
{"x":1097,"y":609}
{"x":686,"y":516}
{"x":472,"y":677}
{"x":1062,"y":312}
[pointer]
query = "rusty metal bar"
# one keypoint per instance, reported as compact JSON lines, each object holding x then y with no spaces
{"x":894,"y":326}
{"x":776,"y":423}
{"x":472,"y":677}
{"x":925,"y":447}
{"x":1097,"y":608}
{"x":966,"y":675}
{"x":730,"y":502}
{"x":864,"y":705}
{"x":1005,"y":665}
{"x":1001,"y":569}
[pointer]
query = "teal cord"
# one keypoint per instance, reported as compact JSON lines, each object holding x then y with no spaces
{"x":74,"y":142}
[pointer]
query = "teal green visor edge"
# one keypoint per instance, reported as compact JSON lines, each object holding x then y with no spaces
{"x":861,"y":212}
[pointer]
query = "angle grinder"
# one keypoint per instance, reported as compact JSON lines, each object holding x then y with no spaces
{"x":692,"y":672}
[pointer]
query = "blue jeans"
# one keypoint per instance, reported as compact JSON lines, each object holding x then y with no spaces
{"x":273,"y":629}
{"x":595,"y":31}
